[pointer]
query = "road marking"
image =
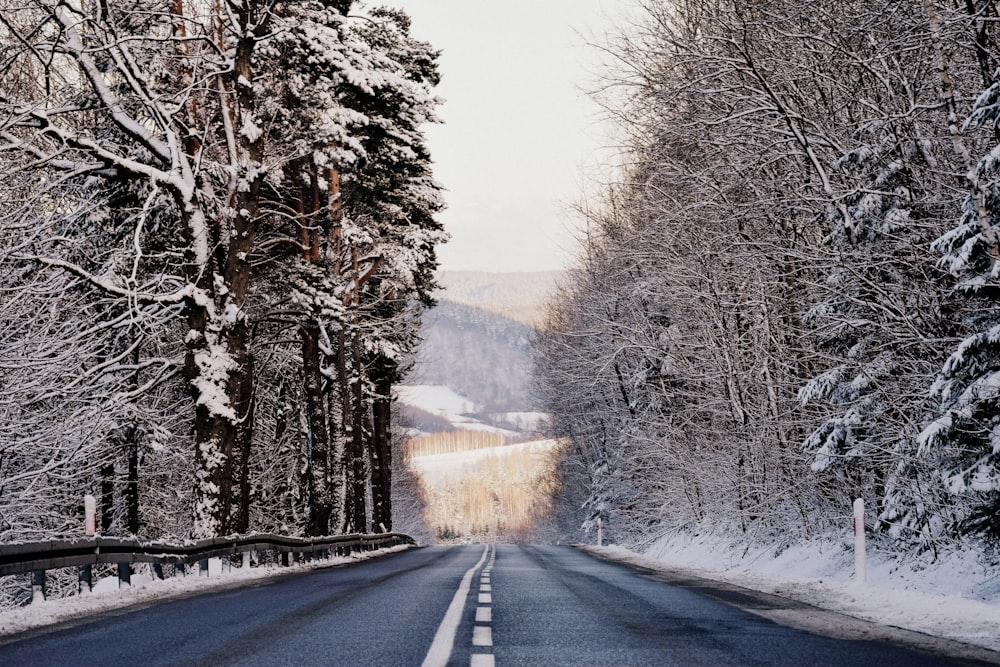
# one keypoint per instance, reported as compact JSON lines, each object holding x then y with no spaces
{"x":482,"y":635}
{"x":444,"y":638}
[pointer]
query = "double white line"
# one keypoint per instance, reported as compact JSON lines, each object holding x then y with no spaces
{"x":444,"y":639}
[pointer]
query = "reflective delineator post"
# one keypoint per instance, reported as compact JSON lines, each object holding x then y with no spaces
{"x":90,"y":515}
{"x":85,"y":574}
{"x":860,"y":558}
{"x":600,"y":532}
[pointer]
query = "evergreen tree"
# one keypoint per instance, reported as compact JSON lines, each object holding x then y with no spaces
{"x":965,"y":438}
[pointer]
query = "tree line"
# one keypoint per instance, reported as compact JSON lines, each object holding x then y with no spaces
{"x":217,"y":234}
{"x":787,"y":294}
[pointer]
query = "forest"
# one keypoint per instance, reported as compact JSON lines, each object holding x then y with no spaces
{"x":217,"y":234}
{"x":787,"y":293}
{"x":481,"y":355}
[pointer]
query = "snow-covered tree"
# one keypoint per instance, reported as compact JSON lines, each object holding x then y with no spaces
{"x":965,"y":437}
{"x":185,"y":160}
{"x":351,"y":98}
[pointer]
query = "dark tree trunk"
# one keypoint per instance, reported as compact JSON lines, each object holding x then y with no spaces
{"x":244,"y":450}
{"x":354,"y":475}
{"x":381,"y":456}
{"x":107,"y":496}
{"x":132,"y":483}
{"x":318,"y":474}
{"x":131,"y":442}
{"x":218,"y":355}
{"x":358,"y":453}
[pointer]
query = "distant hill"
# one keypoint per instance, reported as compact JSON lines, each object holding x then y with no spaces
{"x":483,"y":356}
{"x":519,"y":296}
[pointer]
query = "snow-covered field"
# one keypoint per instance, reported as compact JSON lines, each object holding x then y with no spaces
{"x":444,"y":402}
{"x":956,"y":596}
{"x":437,"y":469}
{"x":146,"y":590}
{"x":523,"y":421}
{"x":434,"y":398}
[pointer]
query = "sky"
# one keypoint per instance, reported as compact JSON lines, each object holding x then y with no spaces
{"x":520,"y":139}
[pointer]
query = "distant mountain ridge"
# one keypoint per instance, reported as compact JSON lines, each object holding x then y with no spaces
{"x":520,"y":296}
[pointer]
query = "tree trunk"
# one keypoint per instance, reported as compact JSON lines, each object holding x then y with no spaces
{"x":359,"y":514}
{"x":244,"y":450}
{"x":354,"y":480}
{"x":132,"y":483}
{"x":318,"y":474}
{"x":217,"y":362}
{"x":107,"y":497}
{"x":381,"y":450}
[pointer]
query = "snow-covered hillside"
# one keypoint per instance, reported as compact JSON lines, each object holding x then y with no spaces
{"x":448,"y":405}
{"x":479,"y":354}
{"x":519,"y":296}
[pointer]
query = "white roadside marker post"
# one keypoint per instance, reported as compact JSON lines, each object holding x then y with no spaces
{"x":600,"y":532}
{"x":85,"y":575}
{"x":90,"y":515}
{"x":860,"y":558}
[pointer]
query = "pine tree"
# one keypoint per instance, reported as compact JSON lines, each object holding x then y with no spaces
{"x":965,"y":436}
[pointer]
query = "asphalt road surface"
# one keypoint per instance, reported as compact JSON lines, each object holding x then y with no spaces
{"x":481,"y":606}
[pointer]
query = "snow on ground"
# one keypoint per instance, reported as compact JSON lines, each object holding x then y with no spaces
{"x":437,"y":469}
{"x":529,"y":422}
{"x":956,"y":596}
{"x":444,"y":402}
{"x":146,"y":590}
{"x":435,"y":398}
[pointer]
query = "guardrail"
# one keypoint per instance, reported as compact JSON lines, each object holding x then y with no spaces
{"x":84,"y":553}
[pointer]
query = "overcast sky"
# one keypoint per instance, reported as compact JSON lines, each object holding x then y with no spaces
{"x":518,"y":134}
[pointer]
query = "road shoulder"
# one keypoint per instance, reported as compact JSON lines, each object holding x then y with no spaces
{"x":794,"y":613}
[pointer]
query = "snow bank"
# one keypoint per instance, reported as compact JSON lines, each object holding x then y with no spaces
{"x":956,"y":596}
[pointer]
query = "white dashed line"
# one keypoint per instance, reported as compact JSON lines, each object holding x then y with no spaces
{"x":482,"y":635}
{"x":444,"y":638}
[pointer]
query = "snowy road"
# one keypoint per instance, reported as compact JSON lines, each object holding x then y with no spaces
{"x":479,"y":606}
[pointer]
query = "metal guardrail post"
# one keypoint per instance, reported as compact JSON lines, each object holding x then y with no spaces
{"x":124,"y":575}
{"x":38,"y":586}
{"x":85,"y":579}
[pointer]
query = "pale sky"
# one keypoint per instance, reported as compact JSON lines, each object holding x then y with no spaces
{"x":519,"y":135}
